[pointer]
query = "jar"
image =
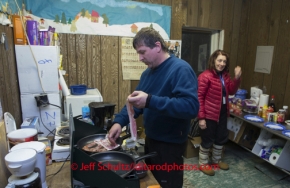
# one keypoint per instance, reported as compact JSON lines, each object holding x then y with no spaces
{"x":281,"y":116}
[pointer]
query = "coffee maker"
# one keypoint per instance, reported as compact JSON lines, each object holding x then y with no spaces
{"x":101,"y":113}
{"x":27,"y":163}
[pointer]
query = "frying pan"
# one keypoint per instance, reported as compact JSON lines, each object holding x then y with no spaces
{"x":121,"y":163}
{"x":88,"y":139}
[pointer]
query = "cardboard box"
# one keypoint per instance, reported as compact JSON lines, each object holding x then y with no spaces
{"x":49,"y":115}
{"x":45,"y":68}
{"x":249,"y":136}
{"x":192,"y":147}
{"x":236,"y":128}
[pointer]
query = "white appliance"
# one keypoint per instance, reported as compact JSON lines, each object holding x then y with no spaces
{"x":39,"y":147}
{"x":79,"y":101}
{"x":60,"y":150}
{"x":255,"y":94}
{"x":21,"y":163}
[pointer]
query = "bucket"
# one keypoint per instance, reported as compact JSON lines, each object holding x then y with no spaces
{"x":241,"y":94}
{"x":22,"y":135}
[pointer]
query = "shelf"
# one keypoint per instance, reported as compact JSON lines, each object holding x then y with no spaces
{"x":285,"y":171}
{"x":261,"y":125}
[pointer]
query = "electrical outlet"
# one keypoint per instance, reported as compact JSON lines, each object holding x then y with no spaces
{"x":41,"y":100}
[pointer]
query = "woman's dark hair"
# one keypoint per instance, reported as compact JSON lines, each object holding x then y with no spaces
{"x":214,"y":56}
{"x":148,"y":36}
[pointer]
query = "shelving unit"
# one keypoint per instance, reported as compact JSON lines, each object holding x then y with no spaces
{"x":265,"y":133}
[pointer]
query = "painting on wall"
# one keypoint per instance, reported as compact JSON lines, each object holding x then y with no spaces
{"x":98,"y":17}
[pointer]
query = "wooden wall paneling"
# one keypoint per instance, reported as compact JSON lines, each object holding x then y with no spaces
{"x":178,"y":18}
{"x":88,"y":68}
{"x":142,"y":1}
{"x":259,"y":27}
{"x":282,"y":65}
{"x":81,"y":59}
{"x":242,"y":48}
{"x":71,"y":57}
{"x":11,"y":88}
{"x":166,"y":2}
{"x":124,"y":85}
{"x":192,"y":13}
{"x":13,"y":77}
{"x":110,"y":69}
{"x":227,"y":23}
{"x":64,"y":53}
{"x":235,"y":36}
{"x":2,"y":77}
{"x":273,"y":39}
{"x":155,"y":1}
{"x":203,"y":13}
{"x":96,"y":62}
{"x":215,"y":14}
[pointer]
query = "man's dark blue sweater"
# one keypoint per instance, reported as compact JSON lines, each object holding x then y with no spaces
{"x":174,"y":102}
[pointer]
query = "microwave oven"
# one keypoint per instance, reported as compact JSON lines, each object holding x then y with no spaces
{"x":79,"y":101}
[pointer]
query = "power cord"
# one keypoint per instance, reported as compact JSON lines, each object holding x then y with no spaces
{"x":50,"y":132}
{"x":54,"y":105}
{"x":59,"y":168}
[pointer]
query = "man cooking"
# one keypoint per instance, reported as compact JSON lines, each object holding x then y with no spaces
{"x":167,"y":98}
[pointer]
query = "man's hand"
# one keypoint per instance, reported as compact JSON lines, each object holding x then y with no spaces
{"x":138,"y":99}
{"x":114,"y":133}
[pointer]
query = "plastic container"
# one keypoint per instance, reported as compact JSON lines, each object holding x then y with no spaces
{"x":241,"y":93}
{"x":286,"y":112}
{"x":78,"y":89}
{"x":264,"y":113}
{"x":281,"y":116}
{"x":85,"y":112}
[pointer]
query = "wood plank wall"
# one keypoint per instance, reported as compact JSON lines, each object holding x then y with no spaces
{"x":95,"y":60}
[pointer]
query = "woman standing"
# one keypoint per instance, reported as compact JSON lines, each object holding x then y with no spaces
{"x":214,"y":86}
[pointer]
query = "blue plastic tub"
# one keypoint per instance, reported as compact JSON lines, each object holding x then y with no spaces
{"x":241,"y":94}
{"x":78,"y":89}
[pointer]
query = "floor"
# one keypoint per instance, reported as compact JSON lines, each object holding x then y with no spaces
{"x":246,"y":170}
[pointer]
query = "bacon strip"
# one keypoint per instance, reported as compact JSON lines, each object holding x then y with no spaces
{"x":133,"y":125}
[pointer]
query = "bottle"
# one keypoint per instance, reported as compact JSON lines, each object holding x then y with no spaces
{"x":260,"y":112}
{"x":286,"y":112}
{"x":272,"y":103}
{"x":264,"y":114}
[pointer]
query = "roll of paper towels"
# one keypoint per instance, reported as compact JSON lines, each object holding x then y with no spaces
{"x":274,"y":158}
{"x":264,"y":99}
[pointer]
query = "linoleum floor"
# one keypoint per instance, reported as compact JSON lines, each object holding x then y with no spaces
{"x":246,"y":170}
